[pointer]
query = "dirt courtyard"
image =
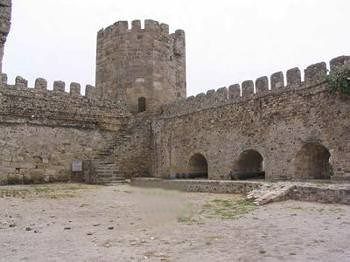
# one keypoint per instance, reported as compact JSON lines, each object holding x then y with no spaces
{"x":75,"y":222}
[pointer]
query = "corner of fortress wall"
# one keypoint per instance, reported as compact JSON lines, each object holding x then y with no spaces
{"x":314,"y":75}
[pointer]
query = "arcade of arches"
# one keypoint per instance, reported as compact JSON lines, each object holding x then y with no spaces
{"x":311,"y":162}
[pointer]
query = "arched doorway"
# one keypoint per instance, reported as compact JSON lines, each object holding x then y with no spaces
{"x":141,"y":104}
{"x":197,"y":167}
{"x":312,"y":162}
{"x":249,"y":165}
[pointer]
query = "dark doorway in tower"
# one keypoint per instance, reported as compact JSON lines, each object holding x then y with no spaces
{"x":197,"y":167}
{"x":250,"y":165}
{"x":312,"y":162}
{"x":141,"y":104}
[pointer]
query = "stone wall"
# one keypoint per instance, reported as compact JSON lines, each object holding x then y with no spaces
{"x":42,"y":131}
{"x":276,"y":121}
{"x":5,"y":23}
{"x":141,"y":62}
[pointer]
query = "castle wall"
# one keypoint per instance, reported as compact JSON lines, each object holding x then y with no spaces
{"x":276,"y":122}
{"x":5,"y":23}
{"x":42,"y":131}
{"x":141,"y":62}
{"x":290,"y":126}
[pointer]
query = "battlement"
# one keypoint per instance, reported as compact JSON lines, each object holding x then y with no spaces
{"x":58,"y":88}
{"x":150,"y":26}
{"x":56,"y":107}
{"x":314,"y":75}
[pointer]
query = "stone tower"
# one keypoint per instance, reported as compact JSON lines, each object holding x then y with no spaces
{"x":5,"y":22}
{"x":144,"y":67}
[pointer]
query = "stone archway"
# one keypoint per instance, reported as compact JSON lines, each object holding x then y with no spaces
{"x":197,"y":167}
{"x":312,"y":162}
{"x":249,"y":165}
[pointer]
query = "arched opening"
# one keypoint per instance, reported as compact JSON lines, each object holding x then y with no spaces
{"x":141,"y":104}
{"x":250,"y":165}
{"x":312,"y":162}
{"x":197,"y":167}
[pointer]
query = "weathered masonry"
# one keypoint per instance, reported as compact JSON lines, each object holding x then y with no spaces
{"x":296,"y":130}
{"x":143,"y":67}
{"x":137,"y":121}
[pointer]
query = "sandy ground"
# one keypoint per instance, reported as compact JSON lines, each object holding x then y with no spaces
{"x":122,"y":223}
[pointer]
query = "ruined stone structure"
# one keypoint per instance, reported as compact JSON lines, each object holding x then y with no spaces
{"x":137,"y":121}
{"x":5,"y":23}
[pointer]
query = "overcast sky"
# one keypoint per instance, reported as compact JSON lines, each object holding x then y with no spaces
{"x":228,"y":41}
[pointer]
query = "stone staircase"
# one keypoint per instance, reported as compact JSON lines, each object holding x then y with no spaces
{"x":106,"y":170}
{"x":105,"y":165}
{"x":107,"y":173}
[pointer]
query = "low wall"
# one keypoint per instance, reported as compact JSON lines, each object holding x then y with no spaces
{"x":324,"y":194}
{"x":313,"y":192}
{"x":207,"y":186}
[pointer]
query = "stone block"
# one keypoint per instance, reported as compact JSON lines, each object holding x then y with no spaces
{"x":75,"y":89}
{"x":262,"y":84}
{"x":277,"y":80}
{"x":247,"y":88}
{"x":21,"y":82}
{"x":293,"y":77}
{"x":59,"y":86}
{"x":315,"y":74}
{"x":234,"y":91}
{"x":40,"y":84}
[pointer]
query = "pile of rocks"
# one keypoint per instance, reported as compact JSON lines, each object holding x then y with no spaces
{"x":271,"y":192}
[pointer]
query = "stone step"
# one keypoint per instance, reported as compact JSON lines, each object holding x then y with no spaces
{"x":107,"y":176}
{"x":104,"y":160}
{"x":104,"y":154}
{"x":111,"y":178}
{"x":107,"y":181}
{"x":106,"y":164}
{"x":103,"y":168}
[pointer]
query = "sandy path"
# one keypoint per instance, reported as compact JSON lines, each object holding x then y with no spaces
{"x":122,"y":223}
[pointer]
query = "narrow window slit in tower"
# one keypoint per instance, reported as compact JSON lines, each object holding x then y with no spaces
{"x":141,"y":104}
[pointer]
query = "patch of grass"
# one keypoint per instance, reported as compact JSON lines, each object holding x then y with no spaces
{"x":221,"y":208}
{"x":188,"y":215}
{"x":227,"y":208}
{"x":296,"y":208}
{"x":52,"y":191}
{"x":187,"y":220}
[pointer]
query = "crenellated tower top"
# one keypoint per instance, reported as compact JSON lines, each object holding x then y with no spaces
{"x":144,"y":67}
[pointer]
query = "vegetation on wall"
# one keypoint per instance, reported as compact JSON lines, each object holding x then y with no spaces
{"x":339,"y":80}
